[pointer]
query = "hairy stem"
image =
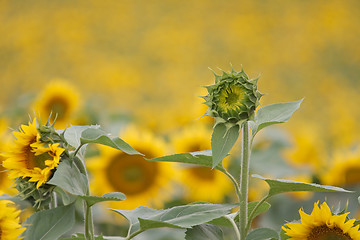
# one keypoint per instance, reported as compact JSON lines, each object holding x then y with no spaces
{"x":234,"y":226}
{"x":236,"y":185}
{"x":252,"y":214}
{"x":244,"y":180}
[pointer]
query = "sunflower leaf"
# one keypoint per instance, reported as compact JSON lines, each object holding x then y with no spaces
{"x":274,"y":114}
{"x":204,"y":232}
{"x":112,"y":196}
{"x":73,"y":134}
{"x":281,"y":186}
{"x":143,"y":218}
{"x":262,"y":234}
{"x":222,"y":140}
{"x":50,"y":224}
{"x":203,"y":158}
{"x":99,"y":136}
{"x":68,"y":177}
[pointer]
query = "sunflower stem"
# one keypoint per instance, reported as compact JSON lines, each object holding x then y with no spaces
{"x":89,"y":222}
{"x":234,"y":226}
{"x":244,"y":180}
{"x":252,"y":214}
{"x":233,"y":180}
{"x":89,"y":225}
{"x":53,"y":200}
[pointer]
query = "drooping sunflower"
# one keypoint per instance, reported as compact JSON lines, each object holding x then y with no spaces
{"x":322,"y":224}
{"x":29,"y":158}
{"x":201,"y":183}
{"x":143,"y":182}
{"x":60,"y":99}
{"x":344,"y":169}
{"x":10,"y":228}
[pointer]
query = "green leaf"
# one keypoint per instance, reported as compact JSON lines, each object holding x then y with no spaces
{"x":280,"y":186}
{"x":73,"y":134}
{"x":204,"y":232}
{"x":274,"y":114}
{"x":143,"y":218}
{"x":65,"y":196}
{"x":112,"y":196}
{"x":98,"y":136}
{"x":50,"y":224}
{"x":68,"y":177}
{"x":203,"y":158}
{"x":262,"y":234}
{"x":222,"y":140}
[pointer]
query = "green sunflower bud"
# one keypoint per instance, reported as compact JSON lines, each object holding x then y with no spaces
{"x":233,"y":98}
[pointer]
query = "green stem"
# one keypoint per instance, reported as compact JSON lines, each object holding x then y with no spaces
{"x":77,"y":150}
{"x":236,"y":185}
{"x":89,"y":222}
{"x":133,"y":235}
{"x":53,"y":203}
{"x":244,"y":180}
{"x":251,"y":216}
{"x":89,"y":225}
{"x":234,"y":226}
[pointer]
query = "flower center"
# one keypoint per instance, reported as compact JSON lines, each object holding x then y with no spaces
{"x":131,"y":174}
{"x":57,"y":106}
{"x":352,"y":176}
{"x":203,"y":173}
{"x":230,"y":98}
{"x":33,"y":161}
{"x":325,"y":233}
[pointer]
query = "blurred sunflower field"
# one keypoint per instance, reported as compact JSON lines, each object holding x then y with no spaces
{"x":137,"y":69}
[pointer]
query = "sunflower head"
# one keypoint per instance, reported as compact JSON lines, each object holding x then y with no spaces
{"x":31,"y":161}
{"x":322,"y":224}
{"x":233,"y":98}
{"x":9,"y":220}
{"x":61,"y":99}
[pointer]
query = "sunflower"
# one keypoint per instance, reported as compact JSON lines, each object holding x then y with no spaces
{"x":344,"y":169}
{"x":322,"y":224}
{"x":29,"y":158}
{"x":308,"y":150}
{"x":5,"y":182}
{"x":200,"y":181}
{"x":59,"y":98}
{"x":143,"y":182}
{"x":10,"y":228}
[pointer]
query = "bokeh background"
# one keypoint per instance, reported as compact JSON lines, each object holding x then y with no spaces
{"x":142,"y":63}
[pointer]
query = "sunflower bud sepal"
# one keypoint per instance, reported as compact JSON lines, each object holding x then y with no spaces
{"x":232,"y":101}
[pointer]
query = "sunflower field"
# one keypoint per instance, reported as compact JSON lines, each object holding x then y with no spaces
{"x":171,"y":120}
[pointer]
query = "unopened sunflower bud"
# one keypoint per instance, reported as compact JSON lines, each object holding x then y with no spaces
{"x":233,"y":98}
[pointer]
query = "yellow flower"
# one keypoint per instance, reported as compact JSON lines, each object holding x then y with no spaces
{"x":29,"y":158}
{"x":308,"y":149}
{"x":321,"y":224}
{"x":344,"y":169}
{"x":59,"y":98}
{"x":201,"y":183}
{"x":143,"y":182}
{"x":10,"y":228}
{"x":5,"y":182}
